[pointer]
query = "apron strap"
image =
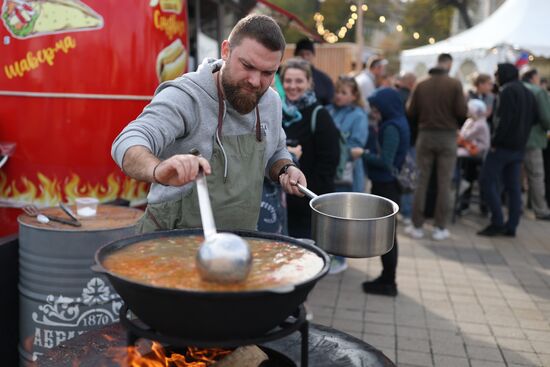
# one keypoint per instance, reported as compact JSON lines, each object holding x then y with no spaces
{"x":258,"y":128}
{"x":220,"y":112}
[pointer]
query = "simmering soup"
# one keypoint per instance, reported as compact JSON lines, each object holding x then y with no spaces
{"x":170,"y":262}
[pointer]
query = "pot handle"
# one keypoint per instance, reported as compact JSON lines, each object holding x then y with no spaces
{"x":306,"y":191}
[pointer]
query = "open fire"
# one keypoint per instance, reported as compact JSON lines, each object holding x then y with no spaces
{"x":329,"y":347}
{"x":160,"y":357}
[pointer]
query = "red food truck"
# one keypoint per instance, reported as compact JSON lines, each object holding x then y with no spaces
{"x":72,"y":75}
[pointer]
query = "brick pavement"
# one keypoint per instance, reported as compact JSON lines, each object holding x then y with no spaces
{"x":467,"y":301}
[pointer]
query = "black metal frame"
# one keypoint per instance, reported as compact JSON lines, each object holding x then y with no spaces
{"x":135,"y":330}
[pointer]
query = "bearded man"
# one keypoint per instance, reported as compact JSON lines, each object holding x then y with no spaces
{"x":227,"y":112}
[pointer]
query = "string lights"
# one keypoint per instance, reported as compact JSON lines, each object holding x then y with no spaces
{"x":332,"y":37}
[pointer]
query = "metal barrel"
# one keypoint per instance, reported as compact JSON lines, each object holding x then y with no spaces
{"x":59,"y":295}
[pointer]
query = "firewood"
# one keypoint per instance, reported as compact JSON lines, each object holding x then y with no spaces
{"x":246,"y":356}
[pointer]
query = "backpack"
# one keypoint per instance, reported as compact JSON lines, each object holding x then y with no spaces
{"x":344,"y":170}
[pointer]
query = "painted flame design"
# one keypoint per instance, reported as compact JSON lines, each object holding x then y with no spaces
{"x":50,"y":191}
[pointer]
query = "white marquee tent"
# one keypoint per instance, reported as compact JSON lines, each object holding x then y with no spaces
{"x":517,"y":25}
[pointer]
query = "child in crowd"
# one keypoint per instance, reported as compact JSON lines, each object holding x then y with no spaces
{"x":393,"y":141}
{"x":473,"y":141}
{"x":474,"y":137}
{"x":349,"y":116}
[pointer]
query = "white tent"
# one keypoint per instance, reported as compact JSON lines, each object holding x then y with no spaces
{"x":517,"y":25}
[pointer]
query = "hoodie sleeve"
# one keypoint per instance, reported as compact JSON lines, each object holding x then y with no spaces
{"x":281,"y":151}
{"x":359,"y":130}
{"x":159,"y":125}
{"x":389,"y":150}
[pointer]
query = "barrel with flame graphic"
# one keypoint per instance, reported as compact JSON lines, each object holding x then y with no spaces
{"x":72,"y":75}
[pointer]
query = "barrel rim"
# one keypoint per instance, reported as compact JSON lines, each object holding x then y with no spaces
{"x":68,"y":228}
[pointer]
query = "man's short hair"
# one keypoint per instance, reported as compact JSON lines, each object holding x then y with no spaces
{"x":304,"y":44}
{"x":260,"y":28}
{"x":444,"y":58}
{"x":527,"y":73}
{"x":376,"y":60}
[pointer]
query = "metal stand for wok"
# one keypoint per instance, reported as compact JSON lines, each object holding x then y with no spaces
{"x":135,"y":329}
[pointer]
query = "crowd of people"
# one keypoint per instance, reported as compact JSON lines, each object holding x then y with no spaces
{"x":352,"y":135}
{"x":483,"y":137}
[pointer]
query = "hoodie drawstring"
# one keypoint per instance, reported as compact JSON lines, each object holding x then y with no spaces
{"x":221,"y":115}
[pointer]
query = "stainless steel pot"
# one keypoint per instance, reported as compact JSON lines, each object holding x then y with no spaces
{"x":352,"y":224}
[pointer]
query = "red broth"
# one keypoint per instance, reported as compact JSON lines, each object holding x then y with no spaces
{"x":170,"y":262}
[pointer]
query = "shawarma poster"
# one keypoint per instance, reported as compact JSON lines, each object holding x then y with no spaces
{"x":31,"y":18}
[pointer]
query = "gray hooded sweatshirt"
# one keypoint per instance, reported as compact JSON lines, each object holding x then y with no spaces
{"x":184,"y":115}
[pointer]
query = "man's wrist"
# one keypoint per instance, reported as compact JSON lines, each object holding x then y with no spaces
{"x":285,"y":168}
{"x":276,"y":168}
{"x":155,"y":180}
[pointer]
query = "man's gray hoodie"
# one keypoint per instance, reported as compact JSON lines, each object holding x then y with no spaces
{"x":184,"y":115}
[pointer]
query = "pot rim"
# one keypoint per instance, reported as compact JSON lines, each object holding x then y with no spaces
{"x":393,"y":204}
{"x":124,"y":242}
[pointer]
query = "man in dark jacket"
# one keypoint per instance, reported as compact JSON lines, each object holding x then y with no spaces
{"x":514,"y":115}
{"x":322,"y":84}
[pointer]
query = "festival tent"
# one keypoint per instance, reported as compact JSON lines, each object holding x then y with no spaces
{"x":516,"y":26}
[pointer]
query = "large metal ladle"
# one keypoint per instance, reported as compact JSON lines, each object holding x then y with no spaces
{"x":222,"y":257}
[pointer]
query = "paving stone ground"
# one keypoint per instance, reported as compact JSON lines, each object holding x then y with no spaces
{"x":467,"y":301}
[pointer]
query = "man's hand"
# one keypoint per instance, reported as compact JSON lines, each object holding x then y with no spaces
{"x":289,"y":179}
{"x":180,"y":169}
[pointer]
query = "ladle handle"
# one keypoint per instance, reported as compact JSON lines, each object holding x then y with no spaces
{"x":306,"y":191}
{"x":207,"y":218}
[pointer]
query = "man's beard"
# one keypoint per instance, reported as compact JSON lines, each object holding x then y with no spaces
{"x":242,"y":101}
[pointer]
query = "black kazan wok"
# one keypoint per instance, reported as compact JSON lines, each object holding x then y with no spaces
{"x":352,"y":224}
{"x":209,"y":315}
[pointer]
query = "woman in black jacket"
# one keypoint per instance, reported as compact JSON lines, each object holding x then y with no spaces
{"x":318,"y":139}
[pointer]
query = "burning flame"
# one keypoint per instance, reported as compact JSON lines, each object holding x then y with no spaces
{"x":193,"y":357}
{"x":51,"y":191}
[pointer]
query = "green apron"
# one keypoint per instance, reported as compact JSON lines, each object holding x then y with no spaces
{"x":235,"y":198}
